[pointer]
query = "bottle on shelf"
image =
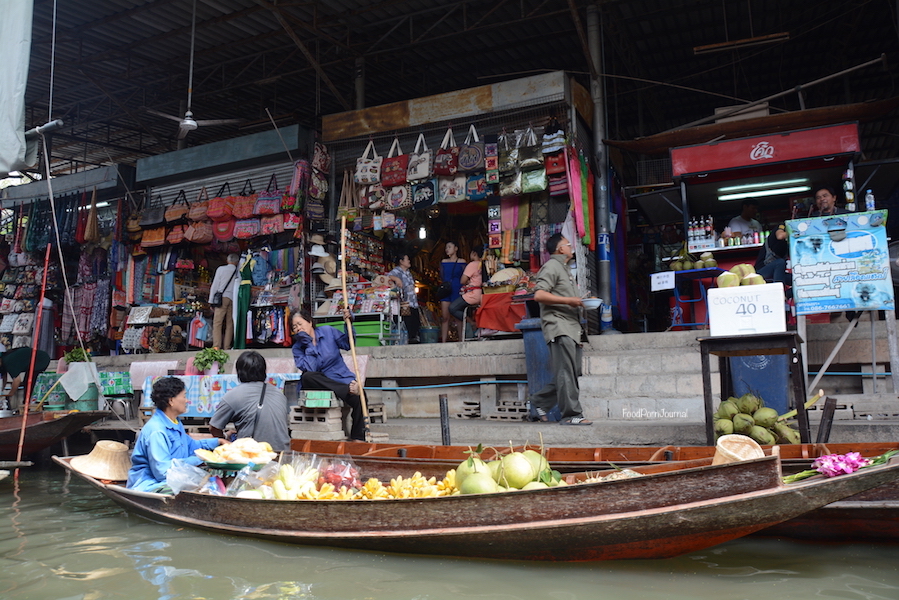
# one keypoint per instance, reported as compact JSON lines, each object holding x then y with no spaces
{"x":869,"y":200}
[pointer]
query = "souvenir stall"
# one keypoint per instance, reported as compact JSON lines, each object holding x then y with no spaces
{"x":505,"y":175}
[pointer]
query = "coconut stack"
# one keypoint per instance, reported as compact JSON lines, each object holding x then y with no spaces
{"x":748,"y":415}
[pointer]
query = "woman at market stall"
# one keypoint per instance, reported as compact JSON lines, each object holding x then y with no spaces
{"x":470,"y":296}
{"x":451,"y":269}
{"x":163,"y":438}
{"x":316,"y":352}
{"x":257,"y":409}
{"x":401,"y":277}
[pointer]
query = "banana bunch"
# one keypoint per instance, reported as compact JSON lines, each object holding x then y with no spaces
{"x":413,"y":487}
{"x":373,"y":489}
{"x":447,"y":485}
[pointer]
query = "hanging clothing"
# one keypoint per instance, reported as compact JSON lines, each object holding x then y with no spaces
{"x":243,"y":324}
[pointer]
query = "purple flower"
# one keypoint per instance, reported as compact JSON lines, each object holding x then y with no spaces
{"x":832,"y":465}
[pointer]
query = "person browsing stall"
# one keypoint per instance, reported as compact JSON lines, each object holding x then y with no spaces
{"x":222,"y":319}
{"x":451,"y":269}
{"x":472,"y":280}
{"x":316,"y":352}
{"x":257,"y":414}
{"x":163,"y":438}
{"x":16,"y":363}
{"x":401,"y":276}
{"x":746,"y":220}
{"x":558,"y":297}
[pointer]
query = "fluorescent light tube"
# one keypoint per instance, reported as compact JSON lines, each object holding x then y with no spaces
{"x":762,"y":193}
{"x":768,"y":184}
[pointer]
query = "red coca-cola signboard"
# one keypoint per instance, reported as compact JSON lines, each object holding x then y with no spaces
{"x":765,"y":149}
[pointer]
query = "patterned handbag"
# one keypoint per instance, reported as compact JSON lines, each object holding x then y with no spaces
{"x":199,"y":232}
{"x":199,"y":207}
{"x":508,"y":154}
{"x":245,"y":202}
{"x":24,"y":324}
{"x":292,"y":220}
{"x":368,"y":166}
{"x":554,"y":163}
{"x":177,"y":212}
{"x":321,"y":160}
{"x":421,"y":161}
{"x":471,"y":153}
{"x":299,"y":185}
{"x":533,"y":181}
{"x":223,"y":231}
{"x":318,"y":185}
{"x":446,"y":162}
{"x":268,"y":201}
{"x":530,"y":152}
{"x":150,"y":219}
{"x":393,"y":168}
{"x":399,"y":197}
{"x":271,"y":224}
{"x":451,"y":189}
{"x":176,"y":234}
{"x":245,"y":229}
{"x":476,"y":186}
{"x":153,"y":238}
{"x":221,"y":207}
{"x":424,"y":194}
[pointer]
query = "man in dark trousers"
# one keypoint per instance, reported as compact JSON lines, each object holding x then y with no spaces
{"x":557,"y":295}
{"x":16,"y":364}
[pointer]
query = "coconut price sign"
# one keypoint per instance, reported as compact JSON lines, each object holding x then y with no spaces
{"x":840,"y":263}
{"x":743,"y":303}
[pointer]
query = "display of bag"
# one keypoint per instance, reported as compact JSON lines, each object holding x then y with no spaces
{"x":446,"y":161}
{"x":451,"y":189}
{"x":471,"y":153}
{"x":424,"y":194}
{"x":348,"y":199}
{"x":292,"y":220}
{"x":371,"y":196}
{"x":21,"y":341}
{"x":223,"y":231}
{"x":151,"y":218}
{"x":553,"y":137}
{"x":153,"y":238}
{"x":321,"y":159}
{"x":558,"y":185}
{"x":476,"y":186}
{"x":510,"y":185}
{"x":199,"y":232}
{"x":245,"y":202}
{"x":133,"y":228}
{"x":6,"y":306}
{"x":271,"y":224}
{"x":24,"y":324}
{"x":314,"y":209}
{"x":399,"y":197}
{"x":268,"y":201}
{"x":299,"y":185}
{"x":533,"y":181}
{"x":92,"y":227}
{"x":177,"y":212}
{"x":318,"y":185}
{"x":554,"y":163}
{"x":421,"y":161}
{"x":530,"y":152}
{"x":8,"y":322}
{"x":507,"y":160}
{"x":368,"y":166}
{"x":176,"y":234}
{"x":393,"y":168}
{"x":221,"y":207}
{"x":199,"y":207}
{"x":245,"y":229}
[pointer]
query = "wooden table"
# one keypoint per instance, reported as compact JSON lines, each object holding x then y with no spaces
{"x":725,"y":347}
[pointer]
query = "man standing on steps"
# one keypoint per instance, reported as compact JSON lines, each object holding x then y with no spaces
{"x":559,"y":300}
{"x":222,"y":320}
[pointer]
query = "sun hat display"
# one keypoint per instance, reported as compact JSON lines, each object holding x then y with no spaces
{"x":330,"y":264}
{"x":316,"y":239}
{"x":333,"y":287}
{"x":108,"y":460}
{"x":318,"y":268}
{"x":318,"y":250}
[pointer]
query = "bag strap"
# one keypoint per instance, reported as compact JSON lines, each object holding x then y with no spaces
{"x":530,"y":137}
{"x":472,"y":132}
{"x":203,"y":194}
{"x":221,"y":194}
{"x":395,"y":149}
{"x":502,"y":141}
{"x":448,"y":139}
{"x":421,"y":142}
{"x":244,"y":191}
{"x":370,"y":147}
{"x":181,"y":198}
{"x":272,"y":180}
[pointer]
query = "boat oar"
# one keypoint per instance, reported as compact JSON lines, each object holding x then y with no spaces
{"x":349,"y":328}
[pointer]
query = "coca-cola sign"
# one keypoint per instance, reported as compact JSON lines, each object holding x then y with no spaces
{"x":768,"y":149}
{"x":762,"y":151}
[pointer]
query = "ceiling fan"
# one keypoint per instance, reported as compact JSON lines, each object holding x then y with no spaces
{"x":187,"y":123}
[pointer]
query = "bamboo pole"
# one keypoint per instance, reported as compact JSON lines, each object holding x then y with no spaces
{"x":349,"y":328}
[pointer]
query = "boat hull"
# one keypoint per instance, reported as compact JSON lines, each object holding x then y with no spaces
{"x":677,"y":508}
{"x":42,"y":430}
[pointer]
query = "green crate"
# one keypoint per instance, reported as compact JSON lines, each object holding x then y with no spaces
{"x":368,"y":333}
{"x":318,"y":399}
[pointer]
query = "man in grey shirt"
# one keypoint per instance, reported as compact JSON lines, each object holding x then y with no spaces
{"x":222,"y":320}
{"x":261,"y":417}
{"x":557,"y":295}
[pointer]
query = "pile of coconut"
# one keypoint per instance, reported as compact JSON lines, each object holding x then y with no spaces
{"x":742,"y":274}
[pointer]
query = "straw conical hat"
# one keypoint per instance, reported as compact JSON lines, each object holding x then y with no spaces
{"x":108,"y":460}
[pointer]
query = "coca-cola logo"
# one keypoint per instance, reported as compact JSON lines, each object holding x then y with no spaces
{"x":762,"y":151}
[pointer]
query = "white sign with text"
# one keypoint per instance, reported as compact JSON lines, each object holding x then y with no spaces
{"x":747,"y":309}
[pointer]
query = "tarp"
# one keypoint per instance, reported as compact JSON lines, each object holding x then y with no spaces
{"x":15,"y":48}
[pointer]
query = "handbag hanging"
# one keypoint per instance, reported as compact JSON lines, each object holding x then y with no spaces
{"x":223,"y":231}
{"x":245,"y":202}
{"x":321,"y":159}
{"x":245,"y":229}
{"x":175,"y":235}
{"x":271,"y":224}
{"x":393,"y":168}
{"x":268,"y":201}
{"x":198,"y":209}
{"x":554,"y":163}
{"x":424,"y":194}
{"x":446,"y":161}
{"x":476,"y":186}
{"x":318,"y":185}
{"x":399,"y":197}
{"x":153,"y":217}
{"x":299,"y":185}
{"x":153,"y":238}
{"x":199,"y":232}
{"x":368,"y":166}
{"x":420,"y":161}
{"x":348,"y":199}
{"x":508,"y":154}
{"x":533,"y":181}
{"x":510,"y":185}
{"x":530,"y":153}
{"x":177,"y":212}
{"x":221,"y":207}
{"x":82,"y":219}
{"x":92,"y":227}
{"x":451,"y":189}
{"x":471,"y":153}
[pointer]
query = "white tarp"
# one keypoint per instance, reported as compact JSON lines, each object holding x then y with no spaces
{"x":15,"y":48}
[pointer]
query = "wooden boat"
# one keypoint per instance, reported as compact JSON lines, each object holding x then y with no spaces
{"x":42,"y":430}
{"x":676,"y":508}
{"x":871,"y":516}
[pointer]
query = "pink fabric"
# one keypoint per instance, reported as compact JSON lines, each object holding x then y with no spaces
{"x":574,"y":191}
{"x":508,"y":212}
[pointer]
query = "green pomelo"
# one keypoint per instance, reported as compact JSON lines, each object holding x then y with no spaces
{"x":469,"y":466}
{"x":537,"y":460}
{"x":535,"y":485}
{"x":496,"y":469}
{"x":517,"y":470}
{"x":479,"y":482}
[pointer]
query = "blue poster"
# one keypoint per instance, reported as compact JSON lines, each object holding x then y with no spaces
{"x":841,"y":263}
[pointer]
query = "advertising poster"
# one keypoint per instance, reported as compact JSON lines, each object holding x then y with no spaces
{"x":841,"y":263}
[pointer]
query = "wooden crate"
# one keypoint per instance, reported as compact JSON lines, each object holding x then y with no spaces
{"x":376,"y":413}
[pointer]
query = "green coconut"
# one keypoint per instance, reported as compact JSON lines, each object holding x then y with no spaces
{"x":743,"y":423}
{"x":724,"y":426}
{"x":727,"y":409}
{"x":762,"y":436}
{"x":786,"y":434}
{"x":765,"y":417}
{"x":749,"y":403}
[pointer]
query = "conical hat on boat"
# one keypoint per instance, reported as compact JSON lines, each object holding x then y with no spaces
{"x":108,"y":460}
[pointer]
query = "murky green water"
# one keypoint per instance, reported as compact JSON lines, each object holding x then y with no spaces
{"x":59,"y":539}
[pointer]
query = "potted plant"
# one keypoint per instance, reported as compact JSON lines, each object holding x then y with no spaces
{"x":77,"y":354}
{"x":211,"y":360}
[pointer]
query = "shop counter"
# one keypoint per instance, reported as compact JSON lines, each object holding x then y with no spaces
{"x":501,"y":311}
{"x":204,"y":392}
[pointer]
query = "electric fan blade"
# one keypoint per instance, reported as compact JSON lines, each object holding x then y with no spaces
{"x":218,"y":121}
{"x":161,"y":114}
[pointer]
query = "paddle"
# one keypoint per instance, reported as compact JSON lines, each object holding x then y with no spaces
{"x":349,"y":327}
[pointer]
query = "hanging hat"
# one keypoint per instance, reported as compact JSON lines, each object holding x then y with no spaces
{"x":108,"y":461}
{"x":330,"y":265}
{"x":318,"y":250}
{"x":318,"y":268}
{"x":317,"y":239}
{"x":333,"y":287}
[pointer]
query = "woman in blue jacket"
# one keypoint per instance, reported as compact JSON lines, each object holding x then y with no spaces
{"x":316,"y":352}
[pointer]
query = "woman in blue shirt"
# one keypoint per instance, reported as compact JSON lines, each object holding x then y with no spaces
{"x":163,"y":438}
{"x":316,"y":352}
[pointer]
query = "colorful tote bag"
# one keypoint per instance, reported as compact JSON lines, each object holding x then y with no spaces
{"x":451,"y":189}
{"x":245,"y":203}
{"x":424,"y":194}
{"x":421,"y":162}
{"x":221,"y":207}
{"x":446,"y":162}
{"x":368,"y":166}
{"x":393,"y":169}
{"x":471,"y":153}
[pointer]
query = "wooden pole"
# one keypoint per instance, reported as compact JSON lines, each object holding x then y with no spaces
{"x":349,"y":328}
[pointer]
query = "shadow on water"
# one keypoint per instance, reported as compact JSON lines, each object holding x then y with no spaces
{"x":61,"y":540}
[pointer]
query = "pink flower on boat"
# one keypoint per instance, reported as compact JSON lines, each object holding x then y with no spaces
{"x":832,"y":465}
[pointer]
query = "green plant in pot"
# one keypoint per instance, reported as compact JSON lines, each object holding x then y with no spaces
{"x":204,"y":359}
{"x":77,"y":355}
